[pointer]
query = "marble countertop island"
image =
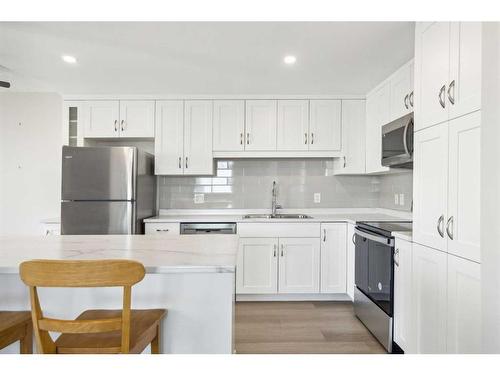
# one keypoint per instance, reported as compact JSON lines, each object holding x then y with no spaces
{"x":201,"y":253}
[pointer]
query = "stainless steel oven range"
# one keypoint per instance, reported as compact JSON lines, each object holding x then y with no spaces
{"x":374,"y":277}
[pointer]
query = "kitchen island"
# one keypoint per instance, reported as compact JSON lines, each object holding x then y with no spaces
{"x":191,"y":276}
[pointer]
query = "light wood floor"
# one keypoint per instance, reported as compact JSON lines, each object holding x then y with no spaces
{"x":301,"y":327}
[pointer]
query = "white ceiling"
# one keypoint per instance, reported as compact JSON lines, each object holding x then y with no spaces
{"x":203,"y":57}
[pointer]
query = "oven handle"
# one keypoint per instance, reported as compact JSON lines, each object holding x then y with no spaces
{"x":372,"y":237}
{"x":405,"y":136}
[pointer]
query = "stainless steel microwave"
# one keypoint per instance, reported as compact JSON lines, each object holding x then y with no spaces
{"x":397,"y":143}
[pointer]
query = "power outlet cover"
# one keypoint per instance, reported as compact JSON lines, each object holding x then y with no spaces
{"x":317,"y":197}
{"x":199,"y":198}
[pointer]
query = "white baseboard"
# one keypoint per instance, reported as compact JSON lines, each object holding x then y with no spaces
{"x":292,"y":297}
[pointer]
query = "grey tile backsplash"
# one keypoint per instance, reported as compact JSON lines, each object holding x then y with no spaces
{"x":247,"y":184}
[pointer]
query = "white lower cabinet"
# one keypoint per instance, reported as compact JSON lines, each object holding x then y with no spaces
{"x":351,"y":250}
{"x":257,"y":266}
{"x":464,"y":306}
{"x":403,"y":295}
{"x":333,"y":257}
{"x":429,"y":287}
{"x":299,"y":265}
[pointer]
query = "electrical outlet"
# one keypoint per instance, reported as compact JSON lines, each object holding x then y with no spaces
{"x":199,"y":198}
{"x":317,"y":197}
{"x":396,"y":199}
{"x":401,"y":199}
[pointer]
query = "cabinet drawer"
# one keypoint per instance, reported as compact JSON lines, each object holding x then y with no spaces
{"x":279,"y":229}
{"x":164,"y":229}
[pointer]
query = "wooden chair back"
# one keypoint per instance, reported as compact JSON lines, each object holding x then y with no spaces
{"x":80,"y":274}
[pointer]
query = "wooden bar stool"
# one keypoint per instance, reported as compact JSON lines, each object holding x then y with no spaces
{"x":93,"y":331}
{"x":14,"y":326}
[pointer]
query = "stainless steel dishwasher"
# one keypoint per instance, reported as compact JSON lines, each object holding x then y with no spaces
{"x":208,"y":228}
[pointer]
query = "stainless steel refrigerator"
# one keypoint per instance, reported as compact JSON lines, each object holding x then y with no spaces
{"x":106,"y":190}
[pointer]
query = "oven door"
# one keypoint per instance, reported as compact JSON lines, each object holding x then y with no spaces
{"x":397,"y":142}
{"x":374,"y":268}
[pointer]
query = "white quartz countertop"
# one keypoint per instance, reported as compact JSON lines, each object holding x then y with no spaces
{"x":159,"y":254}
{"x":318,"y":215}
{"x":406,"y":235}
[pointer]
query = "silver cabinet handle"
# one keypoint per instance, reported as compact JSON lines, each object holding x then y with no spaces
{"x":305,"y":138}
{"x":439,"y":223}
{"x":241,"y":138}
{"x":312,"y":138}
{"x":396,"y":254}
{"x":186,"y":162}
{"x":121,"y":125}
{"x":441,"y":96}
{"x":450,"y":97}
{"x":324,"y":235}
{"x":116,"y":123}
{"x":180,"y":161}
{"x":353,"y":238}
{"x":282,"y":248}
{"x":345,"y":161}
{"x":248,"y":138}
{"x":162,"y":230}
{"x":406,"y":101}
{"x":410,"y":99}
{"x":275,"y":247}
{"x":450,"y":221}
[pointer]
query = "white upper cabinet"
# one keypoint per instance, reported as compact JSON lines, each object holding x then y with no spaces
{"x":260,"y":125}
{"x":325,"y":125}
{"x":447,"y":71}
{"x":333,"y":257}
{"x":464,"y":89}
{"x":169,"y":139}
{"x":378,"y":106}
{"x":102,"y":120}
{"x":429,"y":285}
{"x":257,"y":265}
{"x":198,"y":137}
{"x":432,"y":70}
{"x":403,"y":297}
{"x":229,"y":125}
{"x":353,"y":138}
{"x":137,"y":118}
{"x":299,"y":265}
{"x":463,"y":229}
{"x":430,"y":186}
{"x":464,"y":306}
{"x":402,"y":97}
{"x":293,"y":125}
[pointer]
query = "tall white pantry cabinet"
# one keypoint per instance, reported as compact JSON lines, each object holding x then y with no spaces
{"x":445,"y":262}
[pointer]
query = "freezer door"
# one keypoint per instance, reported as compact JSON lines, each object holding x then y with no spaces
{"x":99,"y":173}
{"x":98,"y":217}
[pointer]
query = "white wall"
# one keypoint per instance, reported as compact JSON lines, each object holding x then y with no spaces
{"x":30,"y":166}
{"x":490,"y":188}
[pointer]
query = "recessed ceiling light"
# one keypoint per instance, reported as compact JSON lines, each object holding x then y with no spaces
{"x":69,"y":59}
{"x":290,"y":59}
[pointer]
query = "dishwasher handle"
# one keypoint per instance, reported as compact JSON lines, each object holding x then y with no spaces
{"x":208,"y":228}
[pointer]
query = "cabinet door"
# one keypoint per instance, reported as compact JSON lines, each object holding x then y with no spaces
{"x":401,"y":88}
{"x":353,"y":138}
{"x":463,"y":228}
{"x":464,"y":94}
{"x":429,"y":299}
{"x":403,"y":295}
{"x":430,"y":186}
{"x":169,"y":138}
{"x":325,"y":126}
{"x":229,"y":125}
{"x":432,"y":57}
{"x":464,"y":306}
{"x":102,"y":120}
{"x":260,"y":125}
{"x":198,"y":137}
{"x":351,"y":252}
{"x":299,"y":265}
{"x":377,"y":115}
{"x":137,"y":118}
{"x":293,"y":125}
{"x":257,"y":266}
{"x":333,"y":257}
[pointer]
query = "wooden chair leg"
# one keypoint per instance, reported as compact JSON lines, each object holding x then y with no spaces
{"x":26,"y":342}
{"x":155,"y":344}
